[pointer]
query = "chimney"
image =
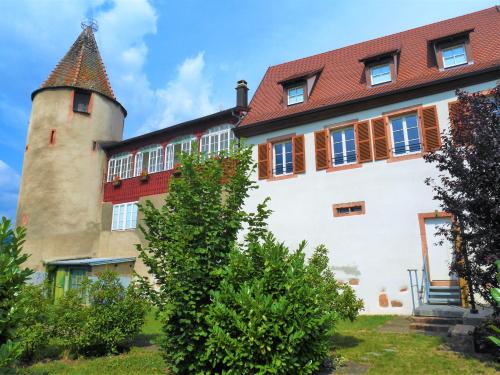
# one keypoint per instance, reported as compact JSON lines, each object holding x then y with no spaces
{"x":242,"y":94}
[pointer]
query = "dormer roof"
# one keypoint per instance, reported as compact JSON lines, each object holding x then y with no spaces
{"x":342,"y":81}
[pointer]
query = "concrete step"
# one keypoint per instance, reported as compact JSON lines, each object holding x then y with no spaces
{"x":429,"y":327}
{"x":444,"y":311}
{"x":433,"y":293}
{"x":435,"y":320}
{"x":445,"y":301}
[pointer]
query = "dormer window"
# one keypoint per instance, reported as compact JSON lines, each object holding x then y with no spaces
{"x":81,"y":102}
{"x":295,"y":94}
{"x":454,"y":56}
{"x":380,"y":74}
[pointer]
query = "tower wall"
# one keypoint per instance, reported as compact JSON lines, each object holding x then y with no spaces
{"x":60,"y":196}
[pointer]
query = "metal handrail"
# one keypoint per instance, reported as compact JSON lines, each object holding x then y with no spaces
{"x":419,"y":290}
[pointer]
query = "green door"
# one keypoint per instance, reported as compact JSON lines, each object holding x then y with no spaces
{"x":60,"y":283}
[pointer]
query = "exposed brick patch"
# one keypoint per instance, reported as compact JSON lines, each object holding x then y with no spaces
{"x":353,"y":281}
{"x":403,"y":289}
{"x":383,"y":301}
{"x":396,"y":303}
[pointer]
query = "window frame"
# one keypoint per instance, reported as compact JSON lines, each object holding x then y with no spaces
{"x":186,"y":143}
{"x":403,"y":116}
{"x":349,"y":206}
{"x":283,"y":143}
{"x":112,"y":167}
{"x":130,"y":208}
{"x":206,"y":140}
{"x":342,"y":129}
{"x":378,"y":65}
{"x":82,"y":93}
{"x":153,"y":152}
{"x":296,"y":86}
{"x":451,"y":47}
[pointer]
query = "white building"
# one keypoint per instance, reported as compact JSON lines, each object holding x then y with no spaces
{"x":341,"y":137}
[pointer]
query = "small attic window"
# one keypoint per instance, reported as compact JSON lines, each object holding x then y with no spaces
{"x":81,"y":102}
{"x":454,"y":56}
{"x":380,"y":74}
{"x":295,"y":94}
{"x":452,"y":50}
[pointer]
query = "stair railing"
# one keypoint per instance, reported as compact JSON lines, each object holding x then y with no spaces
{"x":419,"y":291}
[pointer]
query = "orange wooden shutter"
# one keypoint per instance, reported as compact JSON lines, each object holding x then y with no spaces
{"x":380,"y":138}
{"x":321,"y":145}
{"x":363,"y":140}
{"x":430,"y":129}
{"x":299,"y":156}
{"x":264,"y":163}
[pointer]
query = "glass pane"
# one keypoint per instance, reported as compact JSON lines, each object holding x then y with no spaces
{"x":337,"y":136}
{"x":398,"y":136}
{"x":413,"y":134}
{"x":350,"y":145}
{"x":397,"y":124}
{"x":338,"y":148}
{"x":411,"y":121}
{"x":399,"y":148}
{"x":460,"y":59}
{"x":351,"y":156}
{"x":414,"y":145}
{"x":349,"y":133}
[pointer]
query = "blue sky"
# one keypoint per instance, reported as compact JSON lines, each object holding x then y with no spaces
{"x":169,"y":61}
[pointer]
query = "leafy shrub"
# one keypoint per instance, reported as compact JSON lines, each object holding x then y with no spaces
{"x":114,"y":316}
{"x":101,"y":318}
{"x":275,"y":313}
{"x":260,"y":309}
{"x":12,"y":278}
{"x":35,"y":325}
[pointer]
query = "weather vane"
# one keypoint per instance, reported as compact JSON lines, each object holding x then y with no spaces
{"x":89,"y":22}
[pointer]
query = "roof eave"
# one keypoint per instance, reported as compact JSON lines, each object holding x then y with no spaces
{"x":260,"y":126}
{"x":34,"y":93}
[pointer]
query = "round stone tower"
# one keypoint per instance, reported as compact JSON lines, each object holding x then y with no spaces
{"x":60,"y":198}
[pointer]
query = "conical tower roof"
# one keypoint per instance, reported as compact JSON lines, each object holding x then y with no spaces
{"x":82,"y":67}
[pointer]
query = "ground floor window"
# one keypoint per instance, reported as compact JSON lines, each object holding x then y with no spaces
{"x":124,"y":216}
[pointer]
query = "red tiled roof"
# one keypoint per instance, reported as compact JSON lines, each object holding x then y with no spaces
{"x":342,"y":78}
{"x":82,"y":67}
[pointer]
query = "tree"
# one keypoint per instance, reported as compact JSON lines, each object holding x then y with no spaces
{"x":189,"y":240}
{"x":12,"y":279}
{"x":202,"y":276}
{"x":468,"y":187}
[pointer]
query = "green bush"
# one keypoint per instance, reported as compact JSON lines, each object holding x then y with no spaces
{"x":114,"y":317}
{"x":35,"y":326}
{"x":275,"y":313}
{"x":12,"y":279}
{"x":226,"y":308}
{"x":101,"y":318}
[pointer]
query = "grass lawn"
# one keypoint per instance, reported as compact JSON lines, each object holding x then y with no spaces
{"x":367,"y":350}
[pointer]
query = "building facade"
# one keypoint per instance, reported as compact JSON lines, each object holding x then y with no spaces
{"x":339,"y":139}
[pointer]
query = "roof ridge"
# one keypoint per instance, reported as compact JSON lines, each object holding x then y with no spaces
{"x":496,"y":7}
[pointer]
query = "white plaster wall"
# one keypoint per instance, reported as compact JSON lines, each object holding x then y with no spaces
{"x":377,"y":248}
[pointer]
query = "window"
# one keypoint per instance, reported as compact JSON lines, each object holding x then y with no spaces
{"x":81,"y":102}
{"x":121,"y":166}
{"x":77,"y":276}
{"x":343,"y":146}
{"x":405,"y":134}
{"x":454,"y":56}
{"x":218,"y":139}
{"x":349,"y":209}
{"x":124,"y":216}
{"x":149,"y":159}
{"x":380,"y":74}
{"x":175,"y":149}
{"x":295,"y":95}
{"x":283,"y":158}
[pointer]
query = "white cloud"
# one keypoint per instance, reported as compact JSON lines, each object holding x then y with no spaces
{"x":9,"y":185}
{"x":49,"y":27}
{"x":187,"y":96}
